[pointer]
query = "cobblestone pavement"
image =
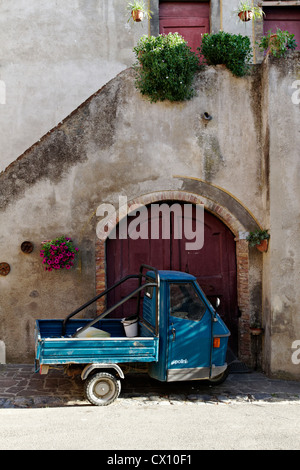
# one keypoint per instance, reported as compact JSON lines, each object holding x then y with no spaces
{"x":21,"y":387}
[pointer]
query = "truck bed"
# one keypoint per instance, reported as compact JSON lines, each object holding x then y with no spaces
{"x":52,"y":348}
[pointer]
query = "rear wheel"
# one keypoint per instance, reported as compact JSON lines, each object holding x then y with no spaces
{"x":102,"y":388}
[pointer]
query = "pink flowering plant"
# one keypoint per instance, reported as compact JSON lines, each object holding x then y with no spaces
{"x":58,"y":253}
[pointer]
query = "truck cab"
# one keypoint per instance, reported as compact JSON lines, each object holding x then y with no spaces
{"x":192,"y":336}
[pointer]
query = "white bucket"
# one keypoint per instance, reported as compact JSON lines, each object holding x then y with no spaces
{"x":130,"y":326}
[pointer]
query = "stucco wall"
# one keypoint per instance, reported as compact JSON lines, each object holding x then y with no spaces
{"x":116,"y":143}
{"x":282,"y":262}
{"x":54,"y":55}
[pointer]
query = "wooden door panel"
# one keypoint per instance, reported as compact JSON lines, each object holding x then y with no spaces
{"x":184,"y":9}
{"x":124,"y":257}
{"x":190,"y":29}
{"x":214,"y":265}
{"x":190,"y":20}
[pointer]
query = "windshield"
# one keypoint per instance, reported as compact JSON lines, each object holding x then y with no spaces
{"x":185,"y":302}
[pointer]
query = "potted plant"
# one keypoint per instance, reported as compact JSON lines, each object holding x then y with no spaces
{"x":232,"y":50}
{"x":256,"y":329}
{"x":278,"y":43}
{"x":259,"y":238}
{"x":138,"y":11}
{"x":247,"y":11}
{"x":58,"y":253}
{"x":165,"y":67}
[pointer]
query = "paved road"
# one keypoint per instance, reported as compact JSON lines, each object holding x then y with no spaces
{"x":157,"y":426}
{"x":248,"y":411}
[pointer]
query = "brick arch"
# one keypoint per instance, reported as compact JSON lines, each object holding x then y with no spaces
{"x":242,"y":255}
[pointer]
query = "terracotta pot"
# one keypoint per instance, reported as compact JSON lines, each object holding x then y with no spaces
{"x":263,"y":246}
{"x":245,"y":15}
{"x":256,"y":331}
{"x":137,"y":15}
{"x":272,"y":44}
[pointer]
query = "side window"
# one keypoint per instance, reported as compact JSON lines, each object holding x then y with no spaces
{"x":185,"y":302}
{"x":149,"y":291}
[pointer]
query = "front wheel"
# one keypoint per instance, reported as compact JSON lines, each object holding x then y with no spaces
{"x":219,"y":379}
{"x":102,"y":388}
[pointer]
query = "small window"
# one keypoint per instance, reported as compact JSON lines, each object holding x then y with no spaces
{"x":149,"y":290}
{"x":186,"y":303}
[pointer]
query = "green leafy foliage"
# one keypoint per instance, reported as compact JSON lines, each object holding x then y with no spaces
{"x":58,"y":253}
{"x":232,"y":50}
{"x":138,"y":5}
{"x":256,"y":237}
{"x":277,"y":43}
{"x":165,"y":67}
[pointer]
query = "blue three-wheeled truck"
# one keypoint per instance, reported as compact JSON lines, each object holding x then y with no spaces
{"x":174,"y":329}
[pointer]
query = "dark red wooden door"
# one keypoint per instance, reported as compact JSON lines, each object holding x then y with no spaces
{"x":189,"y":19}
{"x":214,"y":265}
{"x":285,"y":18}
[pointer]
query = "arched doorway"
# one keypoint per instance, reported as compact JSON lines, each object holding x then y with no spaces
{"x":214,"y":265}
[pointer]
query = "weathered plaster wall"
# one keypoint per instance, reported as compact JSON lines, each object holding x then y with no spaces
{"x":118,"y":143}
{"x":282,"y":262}
{"x":54,"y":55}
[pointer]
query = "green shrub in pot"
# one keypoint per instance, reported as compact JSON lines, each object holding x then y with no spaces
{"x":165,"y":67}
{"x":232,"y":50}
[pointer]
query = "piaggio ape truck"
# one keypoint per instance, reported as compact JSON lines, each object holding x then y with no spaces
{"x":177,"y":333}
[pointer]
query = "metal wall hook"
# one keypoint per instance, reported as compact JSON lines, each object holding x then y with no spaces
{"x":206,"y":116}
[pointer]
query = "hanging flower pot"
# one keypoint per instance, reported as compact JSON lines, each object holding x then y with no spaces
{"x":138,"y":11}
{"x":246,"y":11}
{"x":255,"y":330}
{"x":58,"y":253}
{"x":137,"y":15}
